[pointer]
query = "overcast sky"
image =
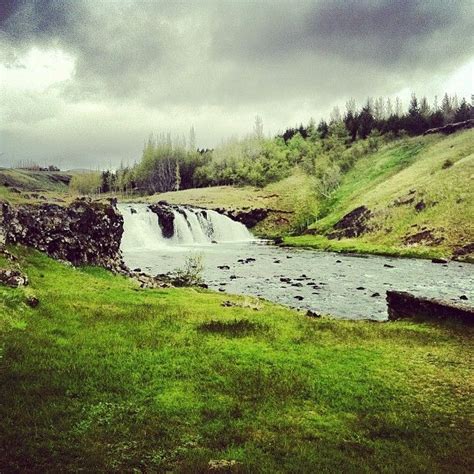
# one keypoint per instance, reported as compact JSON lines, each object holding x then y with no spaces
{"x":83,"y":83}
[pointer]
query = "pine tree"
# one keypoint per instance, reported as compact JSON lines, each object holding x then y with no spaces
{"x":323,"y":129}
{"x":398,"y":107}
{"x":379,"y":109}
{"x":424,"y":107}
{"x":366,"y":121}
{"x":351,"y":106}
{"x":447,"y":108}
{"x":463,"y":112}
{"x":388,"y":108}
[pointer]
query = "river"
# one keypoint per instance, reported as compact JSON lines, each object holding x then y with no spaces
{"x":344,"y":286}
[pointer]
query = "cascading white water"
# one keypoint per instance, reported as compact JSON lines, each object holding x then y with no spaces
{"x":199,"y":232}
{"x":191,"y":226}
{"x":227,"y":230}
{"x":141,"y":229}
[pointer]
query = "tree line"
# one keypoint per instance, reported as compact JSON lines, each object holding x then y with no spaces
{"x":325,"y":151}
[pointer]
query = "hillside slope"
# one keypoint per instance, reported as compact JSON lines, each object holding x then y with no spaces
{"x":18,"y":185}
{"x":419,"y":196}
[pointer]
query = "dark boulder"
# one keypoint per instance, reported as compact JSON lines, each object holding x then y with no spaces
{"x":32,"y":301}
{"x":464,"y":251}
{"x":250,"y":218}
{"x":420,"y":206}
{"x":425,"y":237}
{"x":451,"y":127}
{"x":165,"y":218}
{"x":353,"y":224}
{"x":405,"y":305}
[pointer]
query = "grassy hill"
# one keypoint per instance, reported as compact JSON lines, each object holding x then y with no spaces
{"x":18,"y":185}
{"x":419,"y":191}
{"x":105,"y":377}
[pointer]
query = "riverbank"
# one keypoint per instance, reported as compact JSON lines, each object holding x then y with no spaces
{"x":359,"y":247}
{"x":104,"y":376}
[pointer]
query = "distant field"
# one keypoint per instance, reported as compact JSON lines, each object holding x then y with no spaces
{"x":287,"y":196}
{"x":15,"y":183}
{"x":105,"y":377}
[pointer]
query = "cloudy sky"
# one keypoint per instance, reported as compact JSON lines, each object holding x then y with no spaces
{"x":83,"y":83}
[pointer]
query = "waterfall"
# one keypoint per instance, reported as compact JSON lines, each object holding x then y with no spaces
{"x":141,"y":229}
{"x":191,"y":226}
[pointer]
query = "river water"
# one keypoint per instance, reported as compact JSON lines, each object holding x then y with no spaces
{"x":345,"y":286}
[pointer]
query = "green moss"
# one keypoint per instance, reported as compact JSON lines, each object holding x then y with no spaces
{"x":104,"y":376}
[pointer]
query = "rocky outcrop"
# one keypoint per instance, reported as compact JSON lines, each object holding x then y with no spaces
{"x":423,"y":237}
{"x":353,"y":224}
{"x":13,"y":278}
{"x":466,"y":252}
{"x":84,"y":232}
{"x":249,"y":217}
{"x":405,"y":305}
{"x":451,"y":127}
{"x":165,"y":217}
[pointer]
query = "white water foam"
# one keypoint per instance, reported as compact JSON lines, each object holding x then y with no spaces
{"x":192,"y":226}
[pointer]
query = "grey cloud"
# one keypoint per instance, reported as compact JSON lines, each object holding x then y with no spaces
{"x":234,"y":57}
{"x":169,"y":53}
{"x":373,"y":31}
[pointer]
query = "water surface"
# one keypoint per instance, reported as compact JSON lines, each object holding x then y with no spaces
{"x":345,"y":286}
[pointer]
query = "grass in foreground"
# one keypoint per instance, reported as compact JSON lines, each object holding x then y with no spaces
{"x":103,"y":376}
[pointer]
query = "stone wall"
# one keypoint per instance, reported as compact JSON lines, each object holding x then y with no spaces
{"x":405,"y":305}
{"x":84,"y":232}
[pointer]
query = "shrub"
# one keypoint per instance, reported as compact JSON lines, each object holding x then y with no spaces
{"x":86,"y":183}
{"x":191,"y":273}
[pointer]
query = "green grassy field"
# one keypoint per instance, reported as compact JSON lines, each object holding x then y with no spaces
{"x":104,"y":376}
{"x":283,"y":199}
